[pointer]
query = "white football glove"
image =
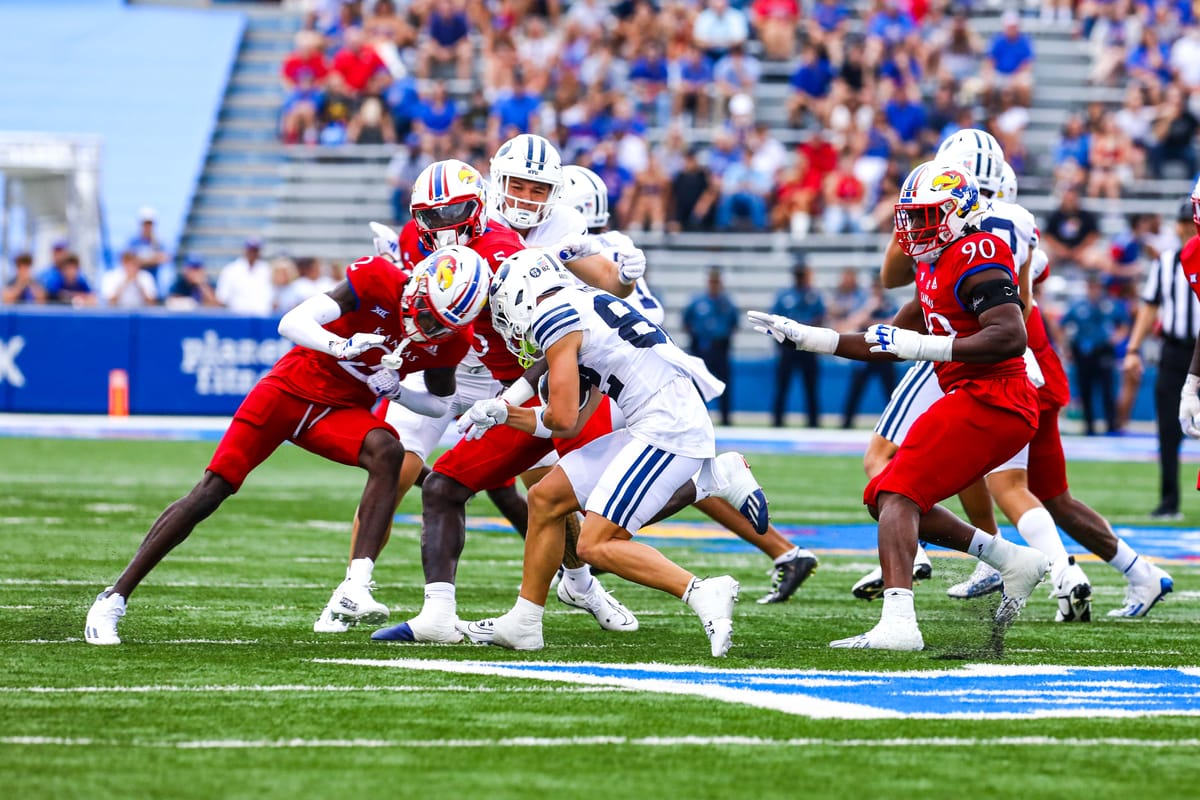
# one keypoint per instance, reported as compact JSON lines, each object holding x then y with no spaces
{"x":804,"y":337}
{"x":631,"y":265}
{"x":1189,"y":407}
{"x":387,"y":241}
{"x":482,"y":416}
{"x":908,"y":345}
{"x":1033,"y":369}
{"x":395,"y":359}
{"x":355,"y":346}
{"x":577,"y":246}
{"x":385,"y":383}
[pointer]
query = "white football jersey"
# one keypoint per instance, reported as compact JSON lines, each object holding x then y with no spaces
{"x":634,"y":362}
{"x":1014,"y":224}
{"x":641,"y":298}
{"x":563,"y":221}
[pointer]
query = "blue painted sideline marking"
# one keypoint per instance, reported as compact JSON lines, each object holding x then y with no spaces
{"x":982,"y":691}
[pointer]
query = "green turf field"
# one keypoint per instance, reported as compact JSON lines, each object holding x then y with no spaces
{"x":222,"y":690}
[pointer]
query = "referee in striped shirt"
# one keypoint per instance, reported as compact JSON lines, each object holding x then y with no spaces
{"x":1168,"y":300}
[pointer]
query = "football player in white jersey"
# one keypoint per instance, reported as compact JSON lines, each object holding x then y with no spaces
{"x":979,"y":152}
{"x":588,"y":194}
{"x":623,"y":479}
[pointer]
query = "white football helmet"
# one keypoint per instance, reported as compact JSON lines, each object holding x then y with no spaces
{"x":586,"y":192}
{"x":520,"y":281}
{"x":387,"y":242}
{"x":979,"y":152}
{"x":526,"y":158}
{"x":938,"y":200}
{"x":1008,"y":185}
{"x":444,"y":294}
{"x":449,"y":204}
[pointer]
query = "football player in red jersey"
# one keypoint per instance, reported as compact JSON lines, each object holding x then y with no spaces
{"x":353,"y":344}
{"x":970,"y":311}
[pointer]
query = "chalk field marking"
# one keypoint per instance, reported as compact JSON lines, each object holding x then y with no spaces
{"x":591,"y":741}
{"x":1083,"y":693}
{"x":303,"y":689}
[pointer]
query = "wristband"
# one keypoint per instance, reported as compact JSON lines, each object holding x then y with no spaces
{"x":520,"y":391}
{"x":937,"y":348}
{"x":539,"y":426}
{"x":825,"y":340}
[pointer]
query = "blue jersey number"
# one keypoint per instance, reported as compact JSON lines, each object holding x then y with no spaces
{"x":629,"y":324}
{"x":993,"y":224}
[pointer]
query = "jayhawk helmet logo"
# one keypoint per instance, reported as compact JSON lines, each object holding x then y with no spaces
{"x":947,"y":181}
{"x":443,"y":271}
{"x":467,"y":176}
{"x":959,"y":188}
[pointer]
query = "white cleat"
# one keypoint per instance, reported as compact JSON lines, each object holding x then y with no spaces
{"x":1152,"y":585}
{"x":1027,"y":569}
{"x":102,"y":618}
{"x":477,"y":632}
{"x":424,"y":628}
{"x":870,"y":586}
{"x":353,"y":603}
{"x":510,"y":632}
{"x":712,"y":599}
{"x":1072,"y":591}
{"x":984,"y":580}
{"x":608,"y":611}
{"x":327,"y":624}
{"x":895,"y":633}
{"x":741,"y":490}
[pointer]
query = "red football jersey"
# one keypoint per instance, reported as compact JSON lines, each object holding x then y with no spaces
{"x":1189,"y":261}
{"x":946,"y":315}
{"x":379,"y":285}
{"x":496,"y":244}
{"x":1056,"y":392}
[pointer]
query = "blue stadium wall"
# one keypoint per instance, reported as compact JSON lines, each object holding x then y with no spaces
{"x":57,"y":360}
{"x":149,"y":81}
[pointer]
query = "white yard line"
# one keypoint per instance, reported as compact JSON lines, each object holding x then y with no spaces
{"x":592,"y":741}
{"x":302,"y":689}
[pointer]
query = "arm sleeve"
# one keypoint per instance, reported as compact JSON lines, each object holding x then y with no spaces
{"x":555,"y":323}
{"x":304,"y":323}
{"x":426,"y":404}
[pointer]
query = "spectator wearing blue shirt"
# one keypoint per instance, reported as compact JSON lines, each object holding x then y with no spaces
{"x":650,"y":74}
{"x":66,"y":285}
{"x":736,"y":73}
{"x":437,"y":121}
{"x":810,"y":82}
{"x":23,"y":287}
{"x":744,"y":192}
{"x":448,"y":40}
{"x":1074,"y":144}
{"x":1009,"y":62}
{"x":193,"y":288}
{"x":403,"y":100}
{"x":152,"y":256}
{"x":1094,"y":326}
{"x":513,"y":112}
{"x":805,"y":305}
{"x":710,"y":320}
{"x":827,"y":24}
{"x":891,"y":25}
{"x":1149,"y":62}
{"x":691,"y":75}
{"x":907,"y":118}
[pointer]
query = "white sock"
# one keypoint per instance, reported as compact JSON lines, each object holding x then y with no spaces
{"x":701,"y":493}
{"x":1037,"y":528}
{"x":528,"y":611}
{"x":998,"y":553}
{"x":980,"y":541}
{"x":898,"y":603}
{"x":687,"y":593}
{"x":578,"y":580}
{"x":440,"y":600}
{"x":1124,"y":560}
{"x":360,"y":571}
{"x":788,"y":556}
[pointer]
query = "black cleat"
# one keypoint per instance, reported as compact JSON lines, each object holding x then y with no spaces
{"x":787,"y":577}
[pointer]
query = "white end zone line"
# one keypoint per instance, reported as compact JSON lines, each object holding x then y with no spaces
{"x":592,"y":741}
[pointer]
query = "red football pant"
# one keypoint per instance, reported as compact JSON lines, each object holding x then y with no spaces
{"x":962,"y":437}
{"x":500,"y":455}
{"x":269,"y":416}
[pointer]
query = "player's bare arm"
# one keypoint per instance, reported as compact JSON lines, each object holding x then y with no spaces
{"x":910,"y":317}
{"x":897,"y":269}
{"x":601,"y":272}
{"x":562,"y":415}
{"x":1003,"y":333}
